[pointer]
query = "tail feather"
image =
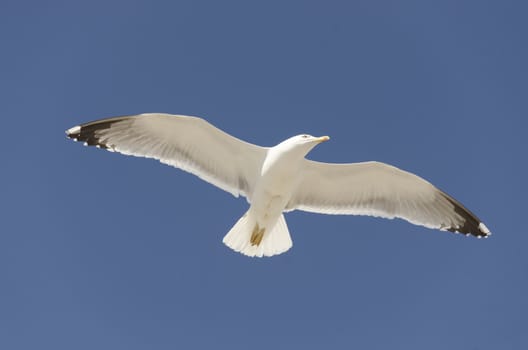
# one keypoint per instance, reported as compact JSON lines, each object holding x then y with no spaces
{"x":275,"y":241}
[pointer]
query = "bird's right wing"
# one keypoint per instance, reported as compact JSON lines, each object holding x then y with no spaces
{"x":188,"y":143}
{"x":378,"y":189}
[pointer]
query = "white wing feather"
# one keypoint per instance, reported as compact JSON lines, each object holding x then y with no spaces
{"x":378,"y":189}
{"x":188,"y":143}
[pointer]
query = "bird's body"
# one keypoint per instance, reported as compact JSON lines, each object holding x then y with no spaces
{"x":278,"y":179}
{"x":280,"y":175}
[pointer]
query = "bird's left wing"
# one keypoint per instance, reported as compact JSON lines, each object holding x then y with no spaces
{"x":378,"y":189}
{"x":188,"y":143}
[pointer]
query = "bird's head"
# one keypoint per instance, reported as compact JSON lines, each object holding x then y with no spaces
{"x":302,"y":143}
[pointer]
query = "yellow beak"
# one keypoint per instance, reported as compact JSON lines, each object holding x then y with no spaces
{"x":323,"y":138}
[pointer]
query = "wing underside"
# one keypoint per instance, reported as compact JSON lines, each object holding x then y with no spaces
{"x":378,"y":189}
{"x":188,"y":143}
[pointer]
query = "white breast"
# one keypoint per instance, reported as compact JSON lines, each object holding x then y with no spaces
{"x":279,"y":178}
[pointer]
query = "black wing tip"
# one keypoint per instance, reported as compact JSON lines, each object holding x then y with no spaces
{"x":471,"y":225}
{"x":479,"y":231}
{"x":89,"y":137}
{"x":88,"y":133}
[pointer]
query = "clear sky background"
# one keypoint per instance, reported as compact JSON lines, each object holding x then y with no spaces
{"x":103,"y":251}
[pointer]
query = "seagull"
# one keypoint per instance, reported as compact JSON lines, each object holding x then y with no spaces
{"x":278,"y":179}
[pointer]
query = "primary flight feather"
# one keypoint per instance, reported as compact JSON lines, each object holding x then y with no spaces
{"x":278,"y":179}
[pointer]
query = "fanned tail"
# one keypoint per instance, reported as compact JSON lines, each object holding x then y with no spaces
{"x":248,"y":238}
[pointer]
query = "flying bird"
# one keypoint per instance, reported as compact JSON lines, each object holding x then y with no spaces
{"x":278,"y":179}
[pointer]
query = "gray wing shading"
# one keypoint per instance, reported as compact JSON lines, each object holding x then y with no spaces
{"x":187,"y":143}
{"x":378,"y":189}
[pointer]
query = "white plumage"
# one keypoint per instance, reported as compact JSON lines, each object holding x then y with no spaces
{"x":278,"y":179}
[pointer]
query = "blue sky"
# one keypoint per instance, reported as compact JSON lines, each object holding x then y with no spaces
{"x":103,"y":251}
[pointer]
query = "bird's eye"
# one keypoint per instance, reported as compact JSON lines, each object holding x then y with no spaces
{"x":304,"y":136}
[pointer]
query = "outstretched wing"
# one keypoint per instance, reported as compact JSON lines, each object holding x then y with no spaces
{"x":378,"y":189}
{"x":188,"y":143}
